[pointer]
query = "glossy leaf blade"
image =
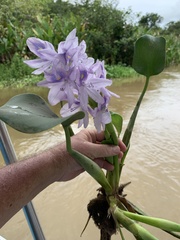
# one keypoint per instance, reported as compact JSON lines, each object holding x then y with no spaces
{"x":30,"y":113}
{"x":149,"y":55}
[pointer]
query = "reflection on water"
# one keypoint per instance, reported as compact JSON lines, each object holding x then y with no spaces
{"x":152,"y":164}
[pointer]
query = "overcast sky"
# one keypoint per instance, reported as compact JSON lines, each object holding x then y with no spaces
{"x":168,"y":9}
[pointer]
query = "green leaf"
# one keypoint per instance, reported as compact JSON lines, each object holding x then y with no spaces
{"x":93,"y":169}
{"x":149,"y":55}
{"x":29,"y":113}
{"x":36,"y":33}
{"x":117,"y":121}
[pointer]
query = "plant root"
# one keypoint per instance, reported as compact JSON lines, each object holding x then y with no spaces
{"x":98,"y":209}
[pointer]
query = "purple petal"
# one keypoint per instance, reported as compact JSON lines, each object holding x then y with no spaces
{"x":42,"y":69}
{"x":95,"y":95}
{"x":83,"y":97}
{"x":56,"y":95}
{"x":71,"y":35}
{"x":97,"y":123}
{"x":80,"y":123}
{"x":48,"y":54}
{"x":86,"y":119}
{"x":70,"y":42}
{"x":98,"y":69}
{"x":68,"y":111}
{"x":99,"y":83}
{"x":69,"y":94}
{"x":106,"y":93}
{"x":40,"y":64}
{"x":36,"y":63}
{"x":45,"y":83}
{"x":89,"y":62}
{"x":36,"y":44}
{"x":106,"y":117}
{"x":82,"y":46}
{"x":113,"y":94}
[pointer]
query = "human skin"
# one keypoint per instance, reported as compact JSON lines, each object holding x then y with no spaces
{"x":20,"y":182}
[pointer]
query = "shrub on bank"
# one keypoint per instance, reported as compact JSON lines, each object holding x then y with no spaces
{"x":16,"y":73}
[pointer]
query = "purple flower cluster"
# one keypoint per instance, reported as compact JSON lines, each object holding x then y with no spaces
{"x":73,"y":77}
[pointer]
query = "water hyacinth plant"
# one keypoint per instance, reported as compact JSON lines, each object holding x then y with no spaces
{"x":79,"y":83}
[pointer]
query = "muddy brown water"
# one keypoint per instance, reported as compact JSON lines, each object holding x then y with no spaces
{"x":152,"y":164}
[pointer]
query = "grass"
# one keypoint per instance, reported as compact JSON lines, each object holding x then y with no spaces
{"x":21,"y":82}
{"x":17,"y":74}
{"x":120,"y":71}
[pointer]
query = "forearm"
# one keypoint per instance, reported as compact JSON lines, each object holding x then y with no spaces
{"x":22,"y":181}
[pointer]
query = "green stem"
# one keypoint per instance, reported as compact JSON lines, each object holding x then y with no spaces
{"x":129,"y":129}
{"x":140,"y":212}
{"x":112,"y":133}
{"x":156,"y":222}
{"x":71,"y":131}
{"x":68,"y":138}
{"x":113,"y":176}
{"x":116,"y":172}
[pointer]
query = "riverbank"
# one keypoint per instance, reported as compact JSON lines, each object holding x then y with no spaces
{"x":17,"y":74}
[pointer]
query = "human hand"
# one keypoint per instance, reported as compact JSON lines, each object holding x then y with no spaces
{"x":88,"y":142}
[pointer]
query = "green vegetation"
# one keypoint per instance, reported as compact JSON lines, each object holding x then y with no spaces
{"x":16,"y":73}
{"x":108,"y":32}
{"x":120,"y":71}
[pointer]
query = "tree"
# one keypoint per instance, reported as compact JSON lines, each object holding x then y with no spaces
{"x":173,"y":27}
{"x":150,"y":20}
{"x":59,"y":7}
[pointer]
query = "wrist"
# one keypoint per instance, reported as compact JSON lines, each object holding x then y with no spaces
{"x":59,"y":158}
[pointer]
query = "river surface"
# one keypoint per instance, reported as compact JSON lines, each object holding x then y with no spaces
{"x":152,"y":164}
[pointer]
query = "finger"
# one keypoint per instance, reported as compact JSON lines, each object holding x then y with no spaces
{"x":120,"y":155}
{"x":122,"y":146}
{"x":95,"y":136}
{"x":104,"y":164}
{"x":99,"y":137}
{"x":100,"y":150}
